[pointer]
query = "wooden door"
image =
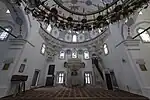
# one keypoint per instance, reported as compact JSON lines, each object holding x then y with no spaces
{"x":50,"y":77}
{"x":109,"y":82}
{"x":35,"y":77}
{"x":49,"y":81}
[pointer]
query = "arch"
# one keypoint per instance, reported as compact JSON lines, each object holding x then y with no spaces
{"x":17,"y":14}
{"x":5,"y":23}
{"x":140,"y":24}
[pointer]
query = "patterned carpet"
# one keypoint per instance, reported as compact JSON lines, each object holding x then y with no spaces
{"x":78,"y":93}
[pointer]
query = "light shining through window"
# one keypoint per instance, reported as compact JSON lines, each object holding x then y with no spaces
{"x":87,"y":78}
{"x":105,"y":49}
{"x":43,"y":48}
{"x":140,"y":13}
{"x":4,"y":35}
{"x":74,"y":54}
{"x":144,"y":36}
{"x":126,"y":20}
{"x":62,"y":55}
{"x":74,"y":38}
{"x":140,"y":30}
{"x":99,"y":30}
{"x":69,"y":31}
{"x":61,"y":78}
{"x":86,"y":55}
{"x":49,"y":28}
{"x":77,"y":32}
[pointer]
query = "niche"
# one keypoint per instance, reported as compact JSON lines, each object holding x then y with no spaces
{"x":22,"y":67}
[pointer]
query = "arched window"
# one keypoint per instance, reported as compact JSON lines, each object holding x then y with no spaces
{"x":74,"y":38}
{"x":49,"y":28}
{"x":4,"y":35}
{"x":62,"y":55}
{"x":74,"y":54}
{"x":145,"y":37}
{"x":105,"y":47}
{"x":61,"y":78}
{"x":87,"y":78}
{"x":43,"y":48}
{"x":86,"y":55}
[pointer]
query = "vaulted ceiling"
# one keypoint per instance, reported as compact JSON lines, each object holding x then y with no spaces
{"x":79,"y":6}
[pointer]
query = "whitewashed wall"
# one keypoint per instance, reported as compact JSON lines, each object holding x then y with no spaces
{"x":129,"y":76}
{"x":5,"y":52}
{"x":59,"y":64}
{"x":143,"y":21}
{"x":35,"y":60}
{"x":124,"y":71}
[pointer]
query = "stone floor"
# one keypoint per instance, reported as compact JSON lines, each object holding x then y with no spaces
{"x":76,"y":93}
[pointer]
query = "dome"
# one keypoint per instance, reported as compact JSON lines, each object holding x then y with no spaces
{"x":80,"y":21}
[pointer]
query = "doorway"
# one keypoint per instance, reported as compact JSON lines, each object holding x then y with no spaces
{"x":35,"y":78}
{"x":50,"y":76}
{"x":113,"y":77}
{"x":49,"y":81}
{"x":109,"y":81}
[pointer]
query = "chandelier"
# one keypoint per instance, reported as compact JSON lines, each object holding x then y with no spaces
{"x":110,"y":13}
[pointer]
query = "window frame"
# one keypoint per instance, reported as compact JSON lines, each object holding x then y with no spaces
{"x":104,"y":49}
{"x":143,"y":67}
{"x":42,"y":48}
{"x":22,"y":68}
{"x":88,"y":77}
{"x":76,"y":38}
{"x":64,"y":55}
{"x":6,"y":66}
{"x":88,"y":54}
{"x":76,"y":54}
{"x":62,"y":77}
{"x":143,"y":33}
{"x":49,"y":30}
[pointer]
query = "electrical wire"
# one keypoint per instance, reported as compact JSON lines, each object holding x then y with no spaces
{"x":16,"y":36}
{"x":133,"y":37}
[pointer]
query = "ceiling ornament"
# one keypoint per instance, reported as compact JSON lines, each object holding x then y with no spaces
{"x":85,"y":17}
{"x":81,"y":15}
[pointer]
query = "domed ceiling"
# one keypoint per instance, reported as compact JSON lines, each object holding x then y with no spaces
{"x":79,"y":7}
{"x":76,"y":9}
{"x":82,"y":9}
{"x":77,"y":21}
{"x":74,"y":36}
